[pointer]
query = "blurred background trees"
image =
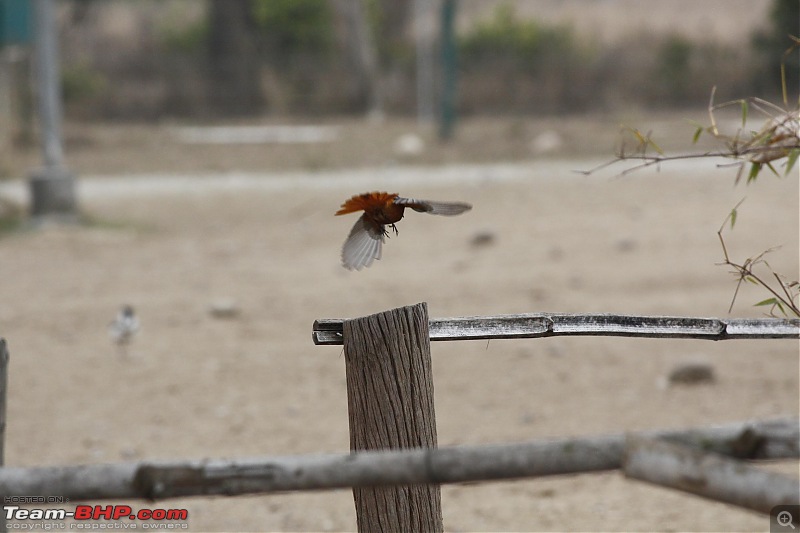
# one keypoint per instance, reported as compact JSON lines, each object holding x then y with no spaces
{"x":233,"y":59}
{"x":150,"y":59}
{"x":772,"y":43}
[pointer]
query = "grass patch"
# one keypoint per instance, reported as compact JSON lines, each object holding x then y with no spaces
{"x":12,"y":217}
{"x":93,"y":221}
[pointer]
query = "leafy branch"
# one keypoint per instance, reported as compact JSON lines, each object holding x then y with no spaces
{"x":777,"y":139}
{"x":785,"y":295}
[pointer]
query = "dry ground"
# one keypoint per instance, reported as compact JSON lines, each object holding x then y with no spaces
{"x":194,"y":386}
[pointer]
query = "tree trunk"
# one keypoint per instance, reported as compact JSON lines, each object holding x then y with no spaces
{"x":234,"y":67}
{"x":362,"y":55}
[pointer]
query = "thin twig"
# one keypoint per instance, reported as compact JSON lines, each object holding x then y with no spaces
{"x":745,"y":272}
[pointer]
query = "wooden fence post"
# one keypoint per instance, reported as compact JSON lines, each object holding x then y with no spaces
{"x":3,"y":403}
{"x":390,"y":404}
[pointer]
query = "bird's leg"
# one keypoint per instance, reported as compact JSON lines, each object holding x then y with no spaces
{"x":386,"y":233}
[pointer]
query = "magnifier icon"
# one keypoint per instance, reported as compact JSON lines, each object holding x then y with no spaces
{"x":785,"y":519}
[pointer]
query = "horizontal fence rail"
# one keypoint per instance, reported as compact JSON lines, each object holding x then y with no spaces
{"x":768,"y":439}
{"x":710,"y":475}
{"x":328,"y":331}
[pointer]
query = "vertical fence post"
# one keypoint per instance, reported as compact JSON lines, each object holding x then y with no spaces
{"x":3,"y":402}
{"x":390,"y":403}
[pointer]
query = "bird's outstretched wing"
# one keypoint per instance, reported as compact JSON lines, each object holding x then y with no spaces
{"x":447,"y":209}
{"x":363,"y":245}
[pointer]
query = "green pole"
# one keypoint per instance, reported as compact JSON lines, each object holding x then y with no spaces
{"x":449,"y":60}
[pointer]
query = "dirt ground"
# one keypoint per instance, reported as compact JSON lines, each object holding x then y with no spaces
{"x":192,"y":386}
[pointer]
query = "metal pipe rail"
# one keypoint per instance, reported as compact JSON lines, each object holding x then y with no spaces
{"x":328,"y":331}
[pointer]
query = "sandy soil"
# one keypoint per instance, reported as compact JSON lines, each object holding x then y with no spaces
{"x":194,"y":386}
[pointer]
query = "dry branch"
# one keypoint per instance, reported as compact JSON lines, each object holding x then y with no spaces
{"x":329,"y":331}
{"x":771,"y":439}
{"x":709,"y":475}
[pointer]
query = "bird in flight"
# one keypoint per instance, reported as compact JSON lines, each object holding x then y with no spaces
{"x":382,"y":209}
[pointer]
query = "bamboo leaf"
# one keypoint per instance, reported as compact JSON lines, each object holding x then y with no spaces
{"x":769,"y":166}
{"x":768,"y":301}
{"x":735,"y":213}
{"x":791,"y":160}
{"x":754,"y":170}
{"x":697,"y":133}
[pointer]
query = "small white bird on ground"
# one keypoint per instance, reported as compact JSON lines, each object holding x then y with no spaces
{"x":124,"y":327}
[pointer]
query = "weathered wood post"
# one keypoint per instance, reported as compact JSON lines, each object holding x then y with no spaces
{"x":390,"y":403}
{"x":3,"y":403}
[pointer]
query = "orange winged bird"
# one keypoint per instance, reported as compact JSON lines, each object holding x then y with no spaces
{"x":382,"y":209}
